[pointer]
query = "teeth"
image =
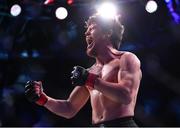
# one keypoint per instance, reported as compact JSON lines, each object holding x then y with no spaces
{"x":90,"y":44}
{"x":89,"y":40}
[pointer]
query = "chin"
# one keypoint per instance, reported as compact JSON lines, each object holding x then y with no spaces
{"x":91,"y":52}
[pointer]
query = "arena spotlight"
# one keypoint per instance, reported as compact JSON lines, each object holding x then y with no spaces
{"x":15,"y":10}
{"x":151,"y":6}
{"x":167,"y":1}
{"x":61,"y":13}
{"x":107,"y":10}
{"x":70,"y":2}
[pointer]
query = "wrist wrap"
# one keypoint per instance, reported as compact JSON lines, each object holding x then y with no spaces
{"x":42,"y":100}
{"x":91,"y":80}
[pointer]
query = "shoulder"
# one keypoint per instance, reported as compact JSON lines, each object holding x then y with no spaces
{"x":124,"y":55}
{"x":131,"y":61}
{"x":129,"y":56}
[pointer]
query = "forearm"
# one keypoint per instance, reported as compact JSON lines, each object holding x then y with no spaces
{"x":65,"y":108}
{"x":60,"y":107}
{"x":114,"y":91}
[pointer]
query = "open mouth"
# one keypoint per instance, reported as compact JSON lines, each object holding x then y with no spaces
{"x":89,"y":41}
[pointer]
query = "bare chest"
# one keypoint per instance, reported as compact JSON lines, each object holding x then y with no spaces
{"x":108,"y":73}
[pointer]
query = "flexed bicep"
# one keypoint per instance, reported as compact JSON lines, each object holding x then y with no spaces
{"x":131,"y":74}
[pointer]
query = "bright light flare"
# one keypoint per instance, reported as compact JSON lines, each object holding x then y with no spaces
{"x":15,"y":10}
{"x":151,"y":6}
{"x":61,"y":13}
{"x":167,"y":1}
{"x":107,"y":10}
{"x":70,"y":2}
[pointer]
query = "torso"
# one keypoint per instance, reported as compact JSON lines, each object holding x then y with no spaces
{"x":104,"y":109}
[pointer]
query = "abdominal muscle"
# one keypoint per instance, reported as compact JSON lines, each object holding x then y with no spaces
{"x":104,"y":109}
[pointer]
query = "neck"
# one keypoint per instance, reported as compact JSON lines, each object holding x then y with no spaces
{"x":104,"y":56}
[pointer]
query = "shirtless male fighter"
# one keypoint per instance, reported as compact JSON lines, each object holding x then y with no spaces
{"x":112,"y":83}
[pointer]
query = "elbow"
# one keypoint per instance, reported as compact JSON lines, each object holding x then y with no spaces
{"x":123,"y":98}
{"x":70,"y":115}
{"x":127,"y":98}
{"x":127,"y":94}
{"x":69,"y":112}
{"x":67,"y":115}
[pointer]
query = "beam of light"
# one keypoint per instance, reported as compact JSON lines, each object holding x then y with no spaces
{"x":61,"y":13}
{"x":107,"y":10}
{"x":47,"y":2}
{"x":15,"y":10}
{"x":151,"y":6}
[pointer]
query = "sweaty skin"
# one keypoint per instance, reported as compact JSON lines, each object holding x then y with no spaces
{"x":104,"y":108}
{"x":115,"y":91}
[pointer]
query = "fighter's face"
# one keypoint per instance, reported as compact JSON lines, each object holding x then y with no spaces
{"x":94,"y":38}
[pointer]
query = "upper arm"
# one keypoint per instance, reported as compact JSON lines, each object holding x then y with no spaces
{"x":130,"y":73}
{"x":78,"y":97}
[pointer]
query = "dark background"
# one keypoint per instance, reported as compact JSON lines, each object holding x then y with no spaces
{"x":37,"y":46}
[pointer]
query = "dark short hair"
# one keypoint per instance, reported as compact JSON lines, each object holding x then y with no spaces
{"x":113,"y":25}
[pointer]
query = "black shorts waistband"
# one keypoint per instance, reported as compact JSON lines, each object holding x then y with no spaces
{"x":124,"y":121}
